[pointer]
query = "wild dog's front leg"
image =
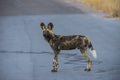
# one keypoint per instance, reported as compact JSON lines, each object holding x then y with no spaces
{"x":55,"y":61}
{"x":55,"y":64}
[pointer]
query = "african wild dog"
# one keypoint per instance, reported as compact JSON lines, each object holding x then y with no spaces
{"x":59,"y":42}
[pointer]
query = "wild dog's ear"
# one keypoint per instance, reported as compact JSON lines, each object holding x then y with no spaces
{"x":42,"y":26}
{"x":50,"y":26}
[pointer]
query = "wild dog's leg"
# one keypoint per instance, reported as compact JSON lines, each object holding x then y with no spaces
{"x":55,"y":61}
{"x":84,"y":53}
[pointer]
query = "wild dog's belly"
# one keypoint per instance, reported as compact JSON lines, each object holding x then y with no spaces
{"x":69,"y":45}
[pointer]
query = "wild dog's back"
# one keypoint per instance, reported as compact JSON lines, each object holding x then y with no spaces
{"x":71,"y":42}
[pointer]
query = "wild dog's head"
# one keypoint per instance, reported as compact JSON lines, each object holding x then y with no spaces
{"x":47,"y":31}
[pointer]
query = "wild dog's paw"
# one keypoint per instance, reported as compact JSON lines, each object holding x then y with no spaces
{"x":88,"y":70}
{"x":53,"y":70}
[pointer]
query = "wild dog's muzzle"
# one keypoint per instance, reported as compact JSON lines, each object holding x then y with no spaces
{"x":45,"y":33}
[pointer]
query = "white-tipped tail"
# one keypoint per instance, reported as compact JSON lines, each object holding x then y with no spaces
{"x":93,"y":53}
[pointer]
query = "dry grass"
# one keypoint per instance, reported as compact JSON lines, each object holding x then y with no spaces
{"x":109,"y":6}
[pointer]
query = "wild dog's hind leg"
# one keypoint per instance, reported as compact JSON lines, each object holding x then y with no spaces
{"x":55,"y":61}
{"x":84,"y":53}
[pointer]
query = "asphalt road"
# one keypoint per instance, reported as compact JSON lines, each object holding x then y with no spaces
{"x":25,"y":55}
{"x":35,"y":7}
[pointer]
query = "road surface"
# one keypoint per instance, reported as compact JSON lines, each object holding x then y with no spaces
{"x":25,"y":55}
{"x":35,"y":7}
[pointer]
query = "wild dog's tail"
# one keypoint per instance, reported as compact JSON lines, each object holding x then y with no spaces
{"x":92,"y":49}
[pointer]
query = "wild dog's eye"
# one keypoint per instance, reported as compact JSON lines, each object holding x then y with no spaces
{"x":47,"y":31}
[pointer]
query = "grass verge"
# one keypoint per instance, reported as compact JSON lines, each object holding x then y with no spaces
{"x":108,"y":6}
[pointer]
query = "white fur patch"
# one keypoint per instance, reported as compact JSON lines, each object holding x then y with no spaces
{"x":93,"y":53}
{"x":54,"y":61}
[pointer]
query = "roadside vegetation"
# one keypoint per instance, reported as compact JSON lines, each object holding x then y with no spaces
{"x":108,"y":6}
